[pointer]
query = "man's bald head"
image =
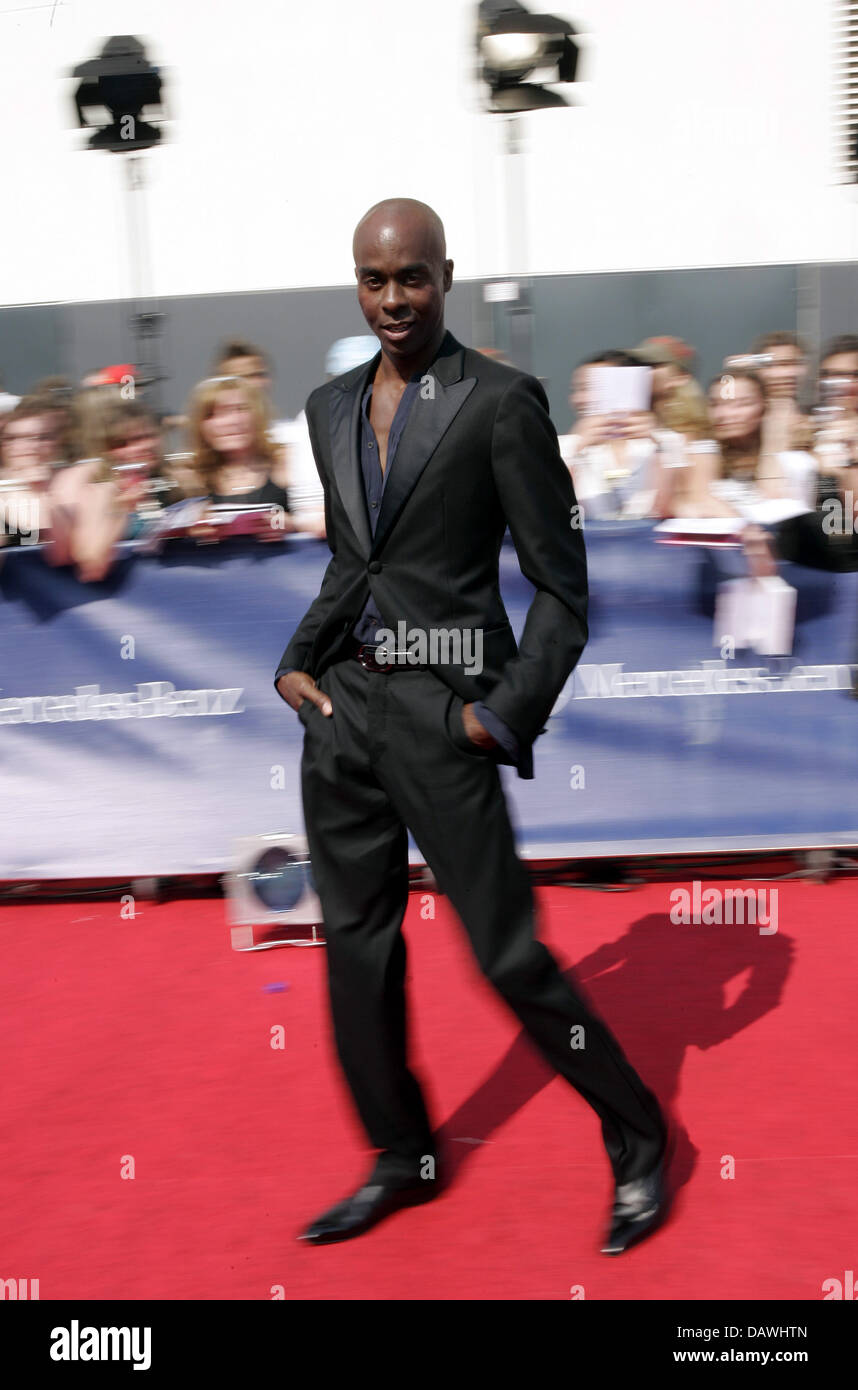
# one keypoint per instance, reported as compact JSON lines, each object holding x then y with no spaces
{"x":403,"y":276}
{"x":398,"y":217}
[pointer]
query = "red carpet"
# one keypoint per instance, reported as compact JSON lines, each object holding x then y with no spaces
{"x":152,"y":1039}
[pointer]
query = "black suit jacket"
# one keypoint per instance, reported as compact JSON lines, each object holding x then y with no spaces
{"x":479,"y":453}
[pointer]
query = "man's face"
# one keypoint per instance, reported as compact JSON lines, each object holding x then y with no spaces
{"x":844,"y":367}
{"x":402,"y":282}
{"x":251,"y":369}
{"x":785,"y":375}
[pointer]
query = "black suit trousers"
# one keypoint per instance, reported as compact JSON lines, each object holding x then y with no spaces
{"x":394,"y":753}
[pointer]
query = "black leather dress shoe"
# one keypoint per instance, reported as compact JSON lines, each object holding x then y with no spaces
{"x":366,"y":1208}
{"x":639,"y":1207}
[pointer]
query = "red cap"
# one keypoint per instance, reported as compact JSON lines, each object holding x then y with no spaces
{"x":113,"y":376}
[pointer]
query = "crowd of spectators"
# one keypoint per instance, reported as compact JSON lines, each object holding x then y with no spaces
{"x":724,"y":450}
{"x":84,"y":469}
{"x":750,"y":457}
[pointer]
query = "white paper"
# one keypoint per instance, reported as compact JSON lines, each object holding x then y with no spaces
{"x":618,"y":389}
{"x":757,"y":613}
{"x":702,"y":525}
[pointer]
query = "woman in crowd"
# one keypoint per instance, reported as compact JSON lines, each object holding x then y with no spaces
{"x":678,"y":401}
{"x":740,"y":476}
{"x":33,"y":447}
{"x":773,"y":493}
{"x":234,"y":455}
{"x":615,"y":461}
{"x":679,"y":406}
{"x":114,"y":486}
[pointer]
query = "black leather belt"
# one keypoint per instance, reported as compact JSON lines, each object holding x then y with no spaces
{"x":365,"y":653}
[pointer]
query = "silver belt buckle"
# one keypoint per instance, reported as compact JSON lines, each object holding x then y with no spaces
{"x":366,"y":657}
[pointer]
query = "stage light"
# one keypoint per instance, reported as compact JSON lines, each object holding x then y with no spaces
{"x":513,"y":55}
{"x":512,"y":44}
{"x":123,"y":81}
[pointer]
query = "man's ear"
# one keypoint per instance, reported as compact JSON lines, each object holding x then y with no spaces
{"x":448,"y":276}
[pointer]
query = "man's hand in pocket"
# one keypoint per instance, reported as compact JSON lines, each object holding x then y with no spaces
{"x":297,"y":686}
{"x":474,"y":729}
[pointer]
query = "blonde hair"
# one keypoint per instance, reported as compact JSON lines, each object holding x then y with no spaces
{"x":89,"y":411}
{"x":201,"y":407}
{"x":686,"y":411}
{"x":100,"y":415}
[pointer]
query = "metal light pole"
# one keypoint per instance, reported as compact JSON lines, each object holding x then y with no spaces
{"x":146,"y":324}
{"x":519,"y":313}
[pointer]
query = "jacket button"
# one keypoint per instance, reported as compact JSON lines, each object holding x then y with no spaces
{"x":374,"y":567}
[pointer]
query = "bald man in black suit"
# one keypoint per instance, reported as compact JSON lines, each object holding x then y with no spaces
{"x":426,"y":454}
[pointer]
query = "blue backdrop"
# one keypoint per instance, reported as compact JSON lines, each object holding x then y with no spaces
{"x":140,"y":732}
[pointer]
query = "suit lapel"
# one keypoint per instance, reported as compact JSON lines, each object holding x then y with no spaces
{"x":439,"y":400}
{"x":346,"y":397}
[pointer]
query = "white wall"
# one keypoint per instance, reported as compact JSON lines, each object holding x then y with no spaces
{"x":699,"y":137}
